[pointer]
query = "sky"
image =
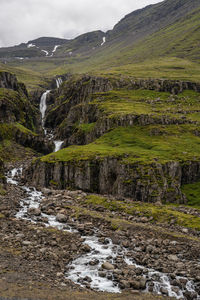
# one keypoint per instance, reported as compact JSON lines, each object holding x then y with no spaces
{"x":24,"y":20}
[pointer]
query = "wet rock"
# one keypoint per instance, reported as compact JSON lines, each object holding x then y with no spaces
{"x":61,"y":218}
{"x":94,"y":262}
{"x":86,"y":248}
{"x":34,"y":211}
{"x":87,"y":278}
{"x":164,"y":291}
{"x":135,"y":284}
{"x":102,"y":274}
{"x":124,"y":284}
{"x":108,"y":266}
{"x":143,"y":282}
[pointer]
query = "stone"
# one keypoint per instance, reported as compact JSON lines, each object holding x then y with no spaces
{"x":102,"y":274}
{"x":26,"y":243}
{"x":34,"y":211}
{"x":107,"y":266}
{"x":61,"y":218}
{"x":87,"y":279}
{"x":143,"y":282}
{"x":173,"y":258}
{"x":164,"y":291}
{"x":124,"y":284}
{"x":135,"y":284}
{"x":86,"y":248}
{"x":94,"y":262}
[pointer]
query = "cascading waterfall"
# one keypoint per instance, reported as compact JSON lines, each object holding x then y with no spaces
{"x":58,"y":82}
{"x":58,"y":145}
{"x":43,"y":106}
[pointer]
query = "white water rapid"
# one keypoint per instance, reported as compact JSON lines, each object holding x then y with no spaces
{"x":81,"y":268}
{"x":58,"y":145}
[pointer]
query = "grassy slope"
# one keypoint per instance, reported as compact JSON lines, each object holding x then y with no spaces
{"x":173,"y":52}
{"x":142,"y":143}
{"x":137,"y":143}
{"x":30,"y":78}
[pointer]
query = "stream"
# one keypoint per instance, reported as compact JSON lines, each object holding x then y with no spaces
{"x":88,"y":267}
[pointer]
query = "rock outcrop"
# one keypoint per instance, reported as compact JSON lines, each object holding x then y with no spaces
{"x":143,"y":181}
{"x":73,"y":104}
{"x":9,"y":81}
{"x":18,"y":116}
{"x":73,"y":93}
{"x":148,"y":183}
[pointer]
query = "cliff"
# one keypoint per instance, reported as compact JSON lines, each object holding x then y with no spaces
{"x":138,"y":138}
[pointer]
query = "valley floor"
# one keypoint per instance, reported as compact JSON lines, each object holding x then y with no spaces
{"x":36,"y":259}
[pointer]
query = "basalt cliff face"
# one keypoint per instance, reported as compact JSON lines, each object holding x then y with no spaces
{"x":9,"y":81}
{"x":19,"y":118}
{"x":148,"y":183}
{"x":73,"y":104}
{"x":85,"y":112}
{"x":92,"y":112}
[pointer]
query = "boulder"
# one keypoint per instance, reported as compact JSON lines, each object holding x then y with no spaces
{"x":108,"y":266}
{"x":61,"y":218}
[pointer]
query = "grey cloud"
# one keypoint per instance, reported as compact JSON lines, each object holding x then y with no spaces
{"x":23,"y":20}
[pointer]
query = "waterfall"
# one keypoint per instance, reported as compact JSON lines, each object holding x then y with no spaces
{"x":58,"y":145}
{"x":43,"y":106}
{"x":104,"y":40}
{"x":58,"y":82}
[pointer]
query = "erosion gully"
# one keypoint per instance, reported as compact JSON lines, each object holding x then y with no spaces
{"x":88,"y":267}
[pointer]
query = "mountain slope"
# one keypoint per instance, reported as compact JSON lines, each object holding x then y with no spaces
{"x":171,"y":52}
{"x":44,"y":46}
{"x":168,"y":31}
{"x":143,"y":22}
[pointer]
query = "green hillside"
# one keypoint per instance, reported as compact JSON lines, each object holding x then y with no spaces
{"x":161,"y":40}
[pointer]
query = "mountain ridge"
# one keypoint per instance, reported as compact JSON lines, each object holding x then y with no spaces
{"x":130,"y":30}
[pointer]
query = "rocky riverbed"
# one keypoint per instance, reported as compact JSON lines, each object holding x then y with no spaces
{"x":56,"y":237}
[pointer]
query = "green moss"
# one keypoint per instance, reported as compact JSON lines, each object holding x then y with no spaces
{"x":85,"y":127}
{"x":192,"y":192}
{"x":137,"y":144}
{"x":8,"y":131}
{"x":2,"y":191}
{"x":54,"y":183}
{"x":160,"y":214}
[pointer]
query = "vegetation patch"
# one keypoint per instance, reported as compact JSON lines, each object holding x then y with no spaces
{"x":192,"y":192}
{"x":143,"y":102}
{"x":159,"y":214}
{"x":137,"y":144}
{"x":86,"y":127}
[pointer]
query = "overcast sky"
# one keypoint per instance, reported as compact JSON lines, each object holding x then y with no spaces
{"x":23,"y":20}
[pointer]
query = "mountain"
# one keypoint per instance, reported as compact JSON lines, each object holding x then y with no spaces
{"x":44,"y":46}
{"x":83,"y":44}
{"x":100,"y":171}
{"x":133,"y":29}
{"x":144,"y":22}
